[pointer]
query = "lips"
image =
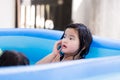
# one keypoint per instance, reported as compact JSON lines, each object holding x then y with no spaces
{"x":64,"y":46}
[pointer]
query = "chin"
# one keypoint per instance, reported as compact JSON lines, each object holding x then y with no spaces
{"x":65,"y":51}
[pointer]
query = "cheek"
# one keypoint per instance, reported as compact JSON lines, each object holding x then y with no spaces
{"x":74,"y":46}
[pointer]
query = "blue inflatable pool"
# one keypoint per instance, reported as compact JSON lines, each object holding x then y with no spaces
{"x":102,"y":61}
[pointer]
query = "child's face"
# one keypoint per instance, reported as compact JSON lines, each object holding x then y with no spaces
{"x":70,"y":42}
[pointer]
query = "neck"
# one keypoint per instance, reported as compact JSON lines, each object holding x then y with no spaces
{"x":70,"y":57}
{"x":66,"y":58}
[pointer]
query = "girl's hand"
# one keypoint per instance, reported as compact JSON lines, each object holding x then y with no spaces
{"x":55,"y":49}
{"x":56,"y":52}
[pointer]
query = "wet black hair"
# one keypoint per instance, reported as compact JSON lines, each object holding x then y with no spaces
{"x":13,"y":58}
{"x":85,"y":39}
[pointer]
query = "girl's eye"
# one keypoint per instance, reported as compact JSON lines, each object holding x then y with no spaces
{"x":71,"y":38}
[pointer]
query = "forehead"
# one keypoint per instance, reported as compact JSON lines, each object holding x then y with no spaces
{"x":71,"y":31}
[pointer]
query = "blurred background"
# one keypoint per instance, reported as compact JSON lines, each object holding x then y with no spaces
{"x":101,"y":16}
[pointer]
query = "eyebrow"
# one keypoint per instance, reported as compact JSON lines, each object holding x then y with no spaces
{"x":71,"y":35}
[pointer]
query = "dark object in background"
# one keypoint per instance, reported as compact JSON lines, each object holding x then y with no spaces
{"x":13,"y":58}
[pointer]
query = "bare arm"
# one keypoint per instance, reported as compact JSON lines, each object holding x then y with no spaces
{"x":47,"y":59}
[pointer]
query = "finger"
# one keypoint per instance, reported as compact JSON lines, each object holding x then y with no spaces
{"x":58,"y":42}
{"x":55,"y":49}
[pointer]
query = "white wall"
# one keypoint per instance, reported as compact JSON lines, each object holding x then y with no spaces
{"x":7,"y":13}
{"x":102,"y":16}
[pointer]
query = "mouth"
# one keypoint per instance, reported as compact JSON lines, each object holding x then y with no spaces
{"x":64,"y":46}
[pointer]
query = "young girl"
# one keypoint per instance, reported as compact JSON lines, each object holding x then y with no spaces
{"x":74,"y":44}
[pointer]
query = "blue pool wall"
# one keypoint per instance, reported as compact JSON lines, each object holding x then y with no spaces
{"x":102,"y":61}
{"x":37,"y":43}
{"x":105,"y":68}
